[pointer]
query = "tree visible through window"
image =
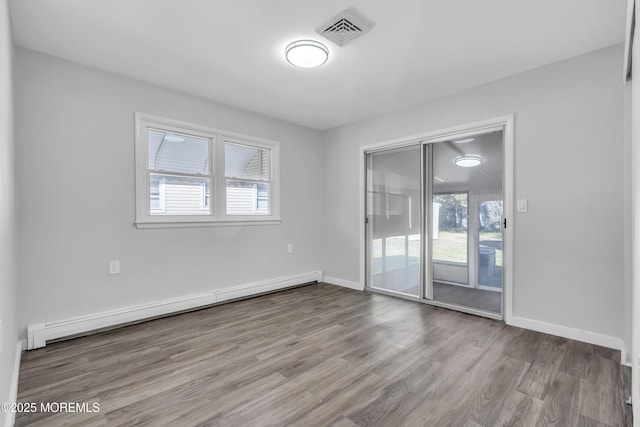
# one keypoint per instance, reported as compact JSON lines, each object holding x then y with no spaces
{"x":451,"y":244}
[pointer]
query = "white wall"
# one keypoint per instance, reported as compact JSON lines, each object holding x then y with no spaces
{"x":75,"y":171}
{"x":569,"y":146}
{"x":628,"y":224}
{"x":8,"y":329}
{"x":634,"y":127}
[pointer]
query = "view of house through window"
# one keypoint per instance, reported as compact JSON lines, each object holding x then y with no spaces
{"x":179,"y":173}
{"x":194,"y":174}
{"x":247,"y":174}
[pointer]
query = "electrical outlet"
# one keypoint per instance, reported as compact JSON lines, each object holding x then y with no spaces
{"x":114,"y":267}
{"x":290,"y":248}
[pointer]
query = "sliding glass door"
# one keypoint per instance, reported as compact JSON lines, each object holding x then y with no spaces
{"x":434,"y":221}
{"x":465,"y":181}
{"x":393,"y":220}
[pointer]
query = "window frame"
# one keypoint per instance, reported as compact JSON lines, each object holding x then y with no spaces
{"x":161,"y":196}
{"x":216,"y":215}
{"x":270,"y":181}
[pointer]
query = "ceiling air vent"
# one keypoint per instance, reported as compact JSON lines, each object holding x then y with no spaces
{"x":345,"y":28}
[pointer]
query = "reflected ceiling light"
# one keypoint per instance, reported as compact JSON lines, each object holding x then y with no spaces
{"x":468,"y":161}
{"x":306,"y":53}
{"x":174,"y":138}
{"x":464,"y":141}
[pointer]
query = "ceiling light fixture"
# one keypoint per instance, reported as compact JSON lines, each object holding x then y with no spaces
{"x":464,"y":141}
{"x":468,"y":161}
{"x":306,"y":53}
{"x":174,"y":138}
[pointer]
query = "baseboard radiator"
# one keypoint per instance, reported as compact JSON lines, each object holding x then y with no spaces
{"x":39,"y":334}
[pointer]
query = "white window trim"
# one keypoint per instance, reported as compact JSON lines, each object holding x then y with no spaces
{"x":203,"y":195}
{"x":273,"y":171}
{"x":217,"y":193}
{"x":161,"y":197}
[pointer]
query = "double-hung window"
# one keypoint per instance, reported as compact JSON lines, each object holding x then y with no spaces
{"x":247,"y":170}
{"x":189,"y":175}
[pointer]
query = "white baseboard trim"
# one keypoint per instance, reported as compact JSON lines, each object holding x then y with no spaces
{"x":344,"y":283}
{"x":266,"y":286}
{"x":39,"y":334}
{"x":13,"y":391}
{"x":567,"y":332}
{"x":624,"y":358}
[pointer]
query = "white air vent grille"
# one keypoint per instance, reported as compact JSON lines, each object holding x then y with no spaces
{"x":345,"y":28}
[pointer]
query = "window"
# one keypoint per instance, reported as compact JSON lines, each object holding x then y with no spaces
{"x":156,"y":195}
{"x":204,"y":196}
{"x":188,"y":175}
{"x":450,"y":239}
{"x":178,"y":170}
{"x":248,"y":176}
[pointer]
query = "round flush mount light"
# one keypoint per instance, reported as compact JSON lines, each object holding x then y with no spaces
{"x":468,"y":161}
{"x":464,"y":141}
{"x":174,"y":138}
{"x":306,"y":53}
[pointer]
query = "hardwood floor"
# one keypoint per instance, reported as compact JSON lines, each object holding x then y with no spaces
{"x":323,"y":355}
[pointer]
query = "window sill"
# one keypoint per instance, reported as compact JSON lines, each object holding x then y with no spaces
{"x":198,"y":224}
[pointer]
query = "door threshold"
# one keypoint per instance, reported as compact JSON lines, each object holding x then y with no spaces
{"x":462,"y":309}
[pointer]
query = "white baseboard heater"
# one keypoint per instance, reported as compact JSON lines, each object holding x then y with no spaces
{"x":39,"y":334}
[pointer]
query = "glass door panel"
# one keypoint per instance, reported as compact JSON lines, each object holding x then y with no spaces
{"x":393,"y":220}
{"x":490,"y":244}
{"x":450,"y":242}
{"x":466,"y":239}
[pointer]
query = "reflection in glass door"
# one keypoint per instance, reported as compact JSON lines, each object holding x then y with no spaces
{"x":490,"y":245}
{"x":393,"y":220}
{"x":434,"y":221}
{"x":466,"y":240}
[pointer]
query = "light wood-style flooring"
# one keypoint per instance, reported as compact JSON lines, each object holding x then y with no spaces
{"x":323,"y":355}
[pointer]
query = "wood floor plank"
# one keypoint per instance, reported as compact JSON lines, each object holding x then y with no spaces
{"x":501,"y":383}
{"x":601,"y":395}
{"x":548,"y":357}
{"x":589,"y":422}
{"x":579,"y":359}
{"x":525,"y":413}
{"x":561,"y":406}
{"x":356,"y":393}
{"x":522,"y":345}
{"x":321,"y":355}
{"x":400,"y":396}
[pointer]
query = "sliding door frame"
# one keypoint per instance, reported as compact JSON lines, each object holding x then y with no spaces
{"x":368,"y":244}
{"x":425,"y":140}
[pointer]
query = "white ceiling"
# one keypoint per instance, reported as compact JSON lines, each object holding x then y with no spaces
{"x":231,"y":51}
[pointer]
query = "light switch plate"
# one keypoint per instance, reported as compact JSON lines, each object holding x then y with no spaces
{"x":114,"y":267}
{"x":522,"y":205}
